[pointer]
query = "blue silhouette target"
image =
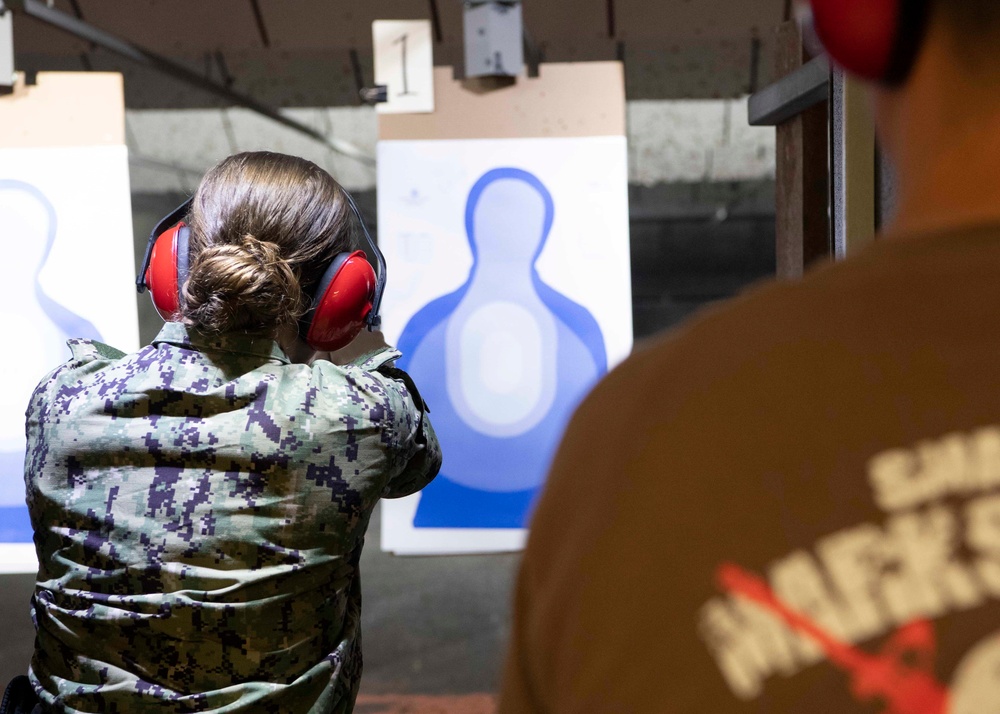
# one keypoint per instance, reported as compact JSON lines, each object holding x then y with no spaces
{"x":502,"y":362}
{"x":29,"y":217}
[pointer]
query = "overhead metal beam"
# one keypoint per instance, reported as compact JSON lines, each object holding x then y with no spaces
{"x":258,"y":17}
{"x":790,"y":96}
{"x":436,"y":22}
{"x":85,"y":31}
{"x":6,"y":49}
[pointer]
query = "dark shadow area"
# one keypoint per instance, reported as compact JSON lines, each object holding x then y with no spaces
{"x":696,"y":244}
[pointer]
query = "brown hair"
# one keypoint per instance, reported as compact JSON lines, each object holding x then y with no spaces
{"x":263,"y":228}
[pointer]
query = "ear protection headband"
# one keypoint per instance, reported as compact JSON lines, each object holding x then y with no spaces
{"x":877,"y":40}
{"x":346,"y":299}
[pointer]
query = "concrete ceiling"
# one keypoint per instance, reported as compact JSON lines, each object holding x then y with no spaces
{"x":299,"y":52}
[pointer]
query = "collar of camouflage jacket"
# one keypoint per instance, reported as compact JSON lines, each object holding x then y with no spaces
{"x":177,"y":333}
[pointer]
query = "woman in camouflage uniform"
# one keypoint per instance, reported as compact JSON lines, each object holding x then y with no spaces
{"x":200,"y":506}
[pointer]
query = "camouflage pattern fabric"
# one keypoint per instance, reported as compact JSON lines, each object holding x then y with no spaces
{"x":199,"y":510}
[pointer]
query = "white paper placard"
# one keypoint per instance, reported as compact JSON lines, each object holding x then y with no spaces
{"x":509,"y":268}
{"x":404,"y":63}
{"x":66,"y":228}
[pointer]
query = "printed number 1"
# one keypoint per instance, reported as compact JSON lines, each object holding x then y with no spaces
{"x":406,"y":87}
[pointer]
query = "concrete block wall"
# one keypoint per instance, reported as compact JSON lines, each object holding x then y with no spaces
{"x":670,"y":141}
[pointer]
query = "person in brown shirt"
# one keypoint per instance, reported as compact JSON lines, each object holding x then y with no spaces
{"x":793,"y":502}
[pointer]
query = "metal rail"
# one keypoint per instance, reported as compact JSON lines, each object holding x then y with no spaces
{"x":790,"y":96}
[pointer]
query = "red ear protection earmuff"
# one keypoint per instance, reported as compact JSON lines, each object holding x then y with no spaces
{"x":346,"y":299}
{"x":167,"y":271}
{"x":877,"y":40}
{"x":342,"y":303}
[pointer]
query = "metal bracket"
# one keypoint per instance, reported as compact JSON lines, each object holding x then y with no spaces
{"x":790,"y":96}
{"x":375,"y":95}
{"x":494,"y":38}
{"x":532,"y":53}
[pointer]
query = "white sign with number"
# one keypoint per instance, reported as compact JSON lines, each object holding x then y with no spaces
{"x":404,"y":63}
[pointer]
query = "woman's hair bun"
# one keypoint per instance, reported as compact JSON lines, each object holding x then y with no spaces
{"x":263,"y":229}
{"x":244,"y":286}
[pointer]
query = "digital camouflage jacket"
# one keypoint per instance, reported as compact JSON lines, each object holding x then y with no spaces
{"x":199,"y":510}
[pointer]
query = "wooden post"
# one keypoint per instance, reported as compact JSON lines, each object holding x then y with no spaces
{"x":802,"y":191}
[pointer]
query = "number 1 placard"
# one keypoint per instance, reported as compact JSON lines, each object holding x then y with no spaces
{"x":404,"y":64}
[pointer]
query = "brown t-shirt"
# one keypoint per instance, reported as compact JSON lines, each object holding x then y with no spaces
{"x":790,"y":505}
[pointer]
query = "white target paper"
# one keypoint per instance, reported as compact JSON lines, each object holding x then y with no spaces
{"x":68,"y":271}
{"x":509,"y":292}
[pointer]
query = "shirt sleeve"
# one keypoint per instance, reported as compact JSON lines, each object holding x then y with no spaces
{"x":412,"y":438}
{"x":412,"y":446}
